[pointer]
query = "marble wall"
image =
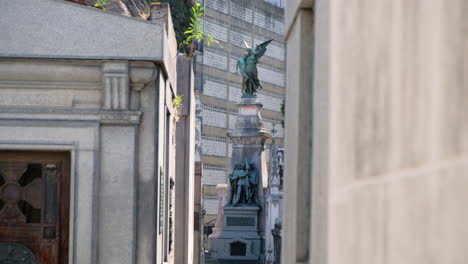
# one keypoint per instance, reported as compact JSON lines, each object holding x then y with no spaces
{"x":389,"y":160}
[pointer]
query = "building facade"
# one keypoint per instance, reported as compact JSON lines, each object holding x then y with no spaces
{"x":219,"y":86}
{"x":94,"y":167}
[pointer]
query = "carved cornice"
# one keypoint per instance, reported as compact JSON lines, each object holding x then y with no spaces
{"x":119,"y":77}
{"x":120,"y":118}
{"x":119,"y":82}
{"x":52,"y":85}
{"x":71,"y":115}
{"x":141,"y":74}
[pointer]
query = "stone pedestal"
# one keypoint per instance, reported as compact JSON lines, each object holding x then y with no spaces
{"x":248,"y":141}
{"x":237,"y":236}
{"x":238,"y":241}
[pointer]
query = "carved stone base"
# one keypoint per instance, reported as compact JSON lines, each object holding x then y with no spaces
{"x":238,"y":240}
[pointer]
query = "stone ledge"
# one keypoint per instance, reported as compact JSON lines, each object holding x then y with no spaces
{"x":62,"y":30}
{"x":77,"y":115}
{"x":75,"y":31}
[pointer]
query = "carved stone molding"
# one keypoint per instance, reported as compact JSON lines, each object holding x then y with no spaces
{"x":276,"y":166}
{"x":141,"y":74}
{"x":123,"y":118}
{"x":275,"y":198}
{"x":49,"y":85}
{"x":115,"y":82}
{"x":71,"y":115}
{"x":245,"y":124}
{"x":253,"y":141}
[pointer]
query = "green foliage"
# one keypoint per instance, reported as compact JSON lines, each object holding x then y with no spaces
{"x":101,"y":4}
{"x":177,"y":103}
{"x":181,"y":12}
{"x":194,"y":35}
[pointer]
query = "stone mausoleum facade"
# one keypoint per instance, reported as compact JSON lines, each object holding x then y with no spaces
{"x":89,"y":169}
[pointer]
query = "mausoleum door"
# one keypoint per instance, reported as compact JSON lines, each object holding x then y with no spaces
{"x":34,"y":207}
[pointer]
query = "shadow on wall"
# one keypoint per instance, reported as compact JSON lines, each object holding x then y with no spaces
{"x":147,"y":235}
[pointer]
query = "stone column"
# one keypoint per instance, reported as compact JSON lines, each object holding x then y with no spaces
{"x":274,"y":195}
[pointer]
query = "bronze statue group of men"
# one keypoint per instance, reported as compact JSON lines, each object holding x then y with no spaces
{"x":244,"y":181}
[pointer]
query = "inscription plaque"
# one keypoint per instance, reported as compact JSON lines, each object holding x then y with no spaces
{"x":240,"y":221}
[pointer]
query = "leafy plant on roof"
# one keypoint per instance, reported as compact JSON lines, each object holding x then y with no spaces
{"x":181,"y":11}
{"x":101,"y":4}
{"x":195,"y":37}
{"x":177,"y":103}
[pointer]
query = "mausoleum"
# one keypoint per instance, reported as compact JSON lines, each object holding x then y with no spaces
{"x":87,"y":136}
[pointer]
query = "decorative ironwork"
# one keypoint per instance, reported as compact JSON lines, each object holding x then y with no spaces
{"x":14,"y":253}
{"x":161,"y":200}
{"x":20,"y":193}
{"x":171,"y":214}
{"x":34,"y":216}
{"x":50,"y":194}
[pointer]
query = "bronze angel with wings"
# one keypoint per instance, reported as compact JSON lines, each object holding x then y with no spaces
{"x":248,"y":68}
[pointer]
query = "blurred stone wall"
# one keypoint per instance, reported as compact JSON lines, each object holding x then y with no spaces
{"x":389,"y":155}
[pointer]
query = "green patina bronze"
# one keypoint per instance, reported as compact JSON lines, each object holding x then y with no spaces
{"x":248,"y":68}
{"x":244,"y":180}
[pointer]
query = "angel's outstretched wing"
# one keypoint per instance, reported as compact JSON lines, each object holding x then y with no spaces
{"x":246,"y":44}
{"x":261,"y":48}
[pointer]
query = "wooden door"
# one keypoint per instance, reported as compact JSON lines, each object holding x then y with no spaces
{"x":34,"y":207}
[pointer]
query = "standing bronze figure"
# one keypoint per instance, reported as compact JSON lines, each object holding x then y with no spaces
{"x":248,"y":68}
{"x":244,"y":181}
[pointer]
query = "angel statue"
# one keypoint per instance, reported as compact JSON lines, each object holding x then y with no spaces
{"x":248,"y":68}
